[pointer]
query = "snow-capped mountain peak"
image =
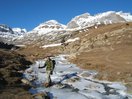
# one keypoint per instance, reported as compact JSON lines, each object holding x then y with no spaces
{"x":109,"y":17}
{"x":51,"y":24}
{"x":85,"y":15}
{"x":8,"y":34}
{"x":126,"y":16}
{"x":53,"y":29}
{"x":47,"y":27}
{"x":4,"y":28}
{"x":19,"y":31}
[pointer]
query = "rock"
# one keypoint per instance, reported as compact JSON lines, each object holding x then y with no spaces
{"x":43,"y":95}
{"x":73,"y":80}
{"x":12,"y":65}
{"x":112,"y":91}
{"x":59,"y":86}
{"x":25,"y":81}
{"x":85,"y":74}
{"x":47,"y":85}
{"x":29,"y":71}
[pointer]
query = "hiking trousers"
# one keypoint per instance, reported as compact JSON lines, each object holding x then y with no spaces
{"x":48,"y":78}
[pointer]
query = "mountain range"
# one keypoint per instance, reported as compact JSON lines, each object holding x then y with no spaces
{"x":101,"y":42}
{"x":52,"y":30}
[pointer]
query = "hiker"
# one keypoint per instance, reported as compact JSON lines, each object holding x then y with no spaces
{"x":49,"y":64}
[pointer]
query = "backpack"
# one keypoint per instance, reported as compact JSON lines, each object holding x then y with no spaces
{"x":54,"y":63}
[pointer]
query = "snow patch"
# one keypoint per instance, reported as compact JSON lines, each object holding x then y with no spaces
{"x":51,"y":45}
{"x":72,"y":40}
{"x":59,"y":44}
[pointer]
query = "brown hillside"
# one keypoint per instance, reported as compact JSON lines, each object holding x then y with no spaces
{"x":107,"y":49}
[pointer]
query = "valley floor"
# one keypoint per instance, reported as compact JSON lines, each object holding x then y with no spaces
{"x":72,"y":82}
{"x":107,"y":49}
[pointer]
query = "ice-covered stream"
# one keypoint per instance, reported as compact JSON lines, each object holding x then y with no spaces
{"x":72,"y":82}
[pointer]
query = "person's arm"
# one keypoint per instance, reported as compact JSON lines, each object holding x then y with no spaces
{"x":43,"y":66}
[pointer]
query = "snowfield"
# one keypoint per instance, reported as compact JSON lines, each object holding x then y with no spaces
{"x":72,"y":82}
{"x":59,"y":44}
{"x":51,"y":45}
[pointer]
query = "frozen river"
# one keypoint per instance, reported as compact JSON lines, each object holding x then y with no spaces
{"x":72,"y":82}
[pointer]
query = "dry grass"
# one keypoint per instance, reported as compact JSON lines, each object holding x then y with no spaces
{"x":114,"y":62}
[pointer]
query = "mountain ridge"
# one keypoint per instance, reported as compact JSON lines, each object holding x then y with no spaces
{"x":52,"y":30}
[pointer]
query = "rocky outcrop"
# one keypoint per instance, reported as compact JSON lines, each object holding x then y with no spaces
{"x":104,"y":36}
{"x":8,"y":46}
{"x":11,"y":86}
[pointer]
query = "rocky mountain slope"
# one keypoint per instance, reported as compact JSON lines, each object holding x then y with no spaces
{"x":88,"y":20}
{"x":43,"y":33}
{"x":8,"y":35}
{"x":53,"y":31}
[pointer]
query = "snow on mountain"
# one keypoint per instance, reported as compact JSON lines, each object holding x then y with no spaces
{"x":87,"y":20}
{"x":48,"y":26}
{"x":8,"y":34}
{"x":19,"y":31}
{"x":52,"y":30}
{"x":45,"y":32}
{"x":126,"y":16}
{"x":5,"y":29}
{"x":59,"y":44}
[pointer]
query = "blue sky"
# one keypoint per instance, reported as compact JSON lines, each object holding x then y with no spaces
{"x":30,"y":13}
